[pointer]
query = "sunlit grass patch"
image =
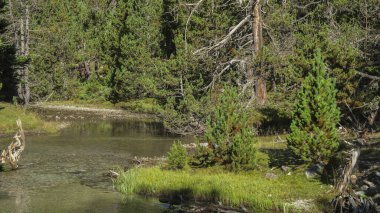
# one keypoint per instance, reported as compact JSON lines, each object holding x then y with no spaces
{"x":251,"y":189}
{"x":31,"y":121}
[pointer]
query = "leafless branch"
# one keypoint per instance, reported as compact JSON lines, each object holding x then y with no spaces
{"x":189,"y":18}
{"x":218,"y":75}
{"x":226,"y":38}
{"x":372,"y":77}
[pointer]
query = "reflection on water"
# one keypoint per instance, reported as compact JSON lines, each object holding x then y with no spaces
{"x":64,"y":173}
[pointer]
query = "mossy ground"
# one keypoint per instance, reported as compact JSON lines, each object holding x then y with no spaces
{"x":251,"y":189}
{"x":31,"y":122}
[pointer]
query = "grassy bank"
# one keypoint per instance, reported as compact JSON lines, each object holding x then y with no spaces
{"x":32,"y":123}
{"x":252,"y":189}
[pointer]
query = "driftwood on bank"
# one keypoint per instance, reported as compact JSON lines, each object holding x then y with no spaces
{"x":13,"y":152}
{"x":347,"y":200}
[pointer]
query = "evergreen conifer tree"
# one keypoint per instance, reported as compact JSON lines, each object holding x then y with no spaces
{"x":8,"y":76}
{"x":313,"y":134}
{"x":229,"y":133}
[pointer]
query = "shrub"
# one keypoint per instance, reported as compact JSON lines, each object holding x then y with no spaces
{"x":313,"y":134}
{"x":203,"y":157}
{"x":93,"y":91}
{"x":229,"y":133}
{"x":177,"y":156}
{"x":243,"y":151}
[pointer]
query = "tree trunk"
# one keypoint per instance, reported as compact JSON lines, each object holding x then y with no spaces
{"x":26,"y":67}
{"x":257,"y":28}
{"x":257,"y":32}
{"x":20,"y":71}
{"x":23,"y":89}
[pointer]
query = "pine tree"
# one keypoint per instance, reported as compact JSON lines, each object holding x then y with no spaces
{"x":8,"y":76}
{"x":131,"y":50}
{"x":229,"y":133}
{"x":177,"y":156}
{"x":313,"y":134}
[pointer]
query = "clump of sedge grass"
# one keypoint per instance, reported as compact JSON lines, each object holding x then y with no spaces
{"x":251,"y":189}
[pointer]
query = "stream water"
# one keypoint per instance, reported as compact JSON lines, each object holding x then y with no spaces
{"x":65,"y":172}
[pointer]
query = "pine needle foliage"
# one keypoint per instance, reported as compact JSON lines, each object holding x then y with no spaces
{"x":229,"y":133}
{"x":177,"y":156}
{"x":313,"y":134}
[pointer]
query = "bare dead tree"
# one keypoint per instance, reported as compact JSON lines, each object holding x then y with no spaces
{"x":257,"y":45}
{"x":254,"y":75}
{"x":221,"y":43}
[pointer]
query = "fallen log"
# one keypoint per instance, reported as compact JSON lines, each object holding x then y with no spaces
{"x":347,"y":172}
{"x":13,"y":152}
{"x":347,"y":200}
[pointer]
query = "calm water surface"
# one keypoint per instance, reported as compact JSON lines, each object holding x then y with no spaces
{"x":64,"y":172}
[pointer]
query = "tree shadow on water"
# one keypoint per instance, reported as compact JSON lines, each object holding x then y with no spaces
{"x":186,"y":196}
{"x":184,"y":200}
{"x":177,"y":197}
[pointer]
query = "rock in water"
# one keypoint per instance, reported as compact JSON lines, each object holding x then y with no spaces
{"x":112,"y":174}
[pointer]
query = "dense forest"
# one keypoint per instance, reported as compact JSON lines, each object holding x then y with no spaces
{"x":280,"y":98}
{"x":179,"y":55}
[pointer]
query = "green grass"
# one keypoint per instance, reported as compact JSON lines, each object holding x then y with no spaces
{"x":31,"y":121}
{"x":251,"y":189}
{"x":271,"y":142}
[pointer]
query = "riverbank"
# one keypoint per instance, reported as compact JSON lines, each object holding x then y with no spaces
{"x":68,"y":109}
{"x":31,"y":121}
{"x":278,"y":188}
{"x":273,"y":190}
{"x":147,"y":106}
